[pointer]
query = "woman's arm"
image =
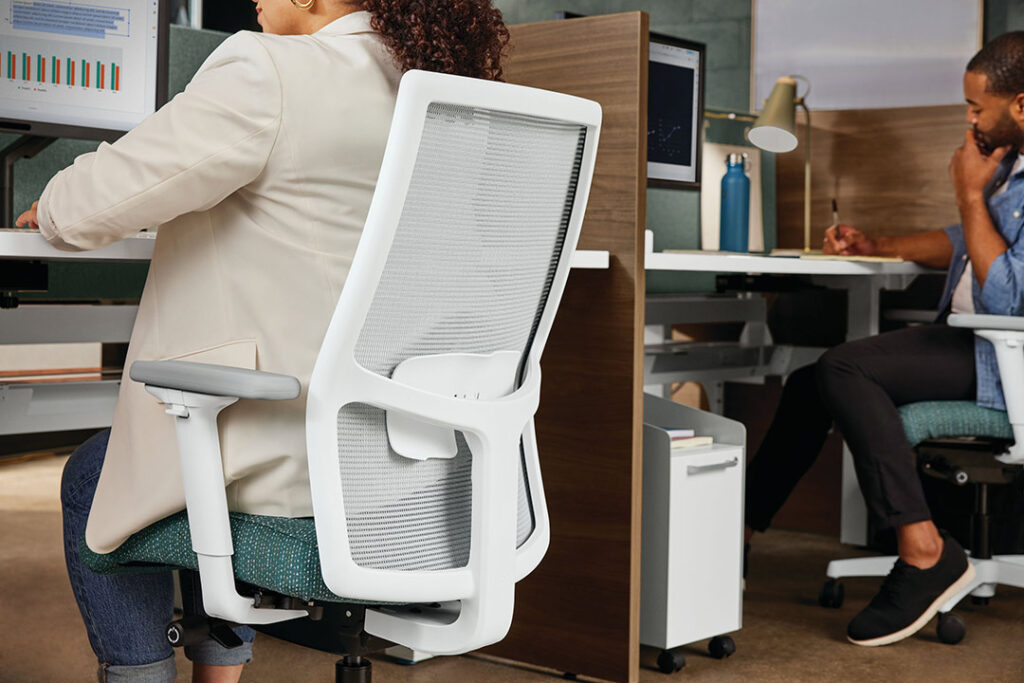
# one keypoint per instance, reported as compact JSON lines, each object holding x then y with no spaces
{"x":210,"y":140}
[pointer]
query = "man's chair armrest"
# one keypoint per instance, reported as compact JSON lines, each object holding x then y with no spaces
{"x":1009,"y":323}
{"x":216,"y":380}
{"x":1006,"y":333}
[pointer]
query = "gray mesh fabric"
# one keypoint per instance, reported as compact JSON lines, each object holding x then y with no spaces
{"x":472,"y":261}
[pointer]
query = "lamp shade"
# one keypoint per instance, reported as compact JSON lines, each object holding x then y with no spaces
{"x":775,"y":128}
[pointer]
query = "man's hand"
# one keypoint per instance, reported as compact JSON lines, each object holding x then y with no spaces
{"x":971,"y":171}
{"x":848,"y":241}
{"x":30,"y":218}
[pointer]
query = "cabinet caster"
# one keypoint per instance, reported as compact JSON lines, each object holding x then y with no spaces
{"x":980,"y":601}
{"x":721,"y":647}
{"x":670,"y":661}
{"x":951,"y":629}
{"x":832,"y":594}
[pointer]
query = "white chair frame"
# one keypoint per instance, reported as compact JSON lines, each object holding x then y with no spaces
{"x":477,"y":599}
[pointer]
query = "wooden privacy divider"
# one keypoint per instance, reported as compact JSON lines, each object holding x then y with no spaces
{"x":886,"y":167}
{"x":579,"y":610}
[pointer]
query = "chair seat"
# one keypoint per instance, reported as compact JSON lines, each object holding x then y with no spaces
{"x":935,"y":419}
{"x":275,"y":553}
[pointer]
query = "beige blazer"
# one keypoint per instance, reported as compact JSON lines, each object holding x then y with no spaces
{"x":260,"y":176}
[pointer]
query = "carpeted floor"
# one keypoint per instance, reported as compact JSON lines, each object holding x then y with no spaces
{"x":786,"y":635}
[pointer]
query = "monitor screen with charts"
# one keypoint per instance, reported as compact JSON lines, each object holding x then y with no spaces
{"x":675,"y":112}
{"x":81,"y":68}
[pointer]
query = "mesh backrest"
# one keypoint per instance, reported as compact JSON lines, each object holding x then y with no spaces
{"x":469,"y":271}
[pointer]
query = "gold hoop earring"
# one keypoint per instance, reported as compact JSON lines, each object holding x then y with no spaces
{"x":303,"y":5}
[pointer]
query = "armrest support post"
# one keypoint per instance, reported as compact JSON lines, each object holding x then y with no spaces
{"x":1009,"y":347}
{"x":202,"y":471}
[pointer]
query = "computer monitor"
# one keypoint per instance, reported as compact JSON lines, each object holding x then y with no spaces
{"x":89,"y":69}
{"x":675,"y":109}
{"x":675,"y":112}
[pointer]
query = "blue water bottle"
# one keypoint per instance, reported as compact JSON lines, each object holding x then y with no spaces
{"x":735,"y":225}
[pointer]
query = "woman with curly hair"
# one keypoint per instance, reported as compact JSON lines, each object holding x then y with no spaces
{"x":260,"y":176}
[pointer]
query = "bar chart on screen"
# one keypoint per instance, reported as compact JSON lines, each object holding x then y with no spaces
{"x":41,"y":62}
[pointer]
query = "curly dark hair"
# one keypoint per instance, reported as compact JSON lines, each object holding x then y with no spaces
{"x":462,"y":37}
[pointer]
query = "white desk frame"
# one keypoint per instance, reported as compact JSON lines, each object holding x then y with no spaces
{"x":863,"y":283}
{"x":59,"y":406}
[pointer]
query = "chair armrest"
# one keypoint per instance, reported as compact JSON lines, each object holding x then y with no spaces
{"x":216,"y":380}
{"x":1012,"y":323}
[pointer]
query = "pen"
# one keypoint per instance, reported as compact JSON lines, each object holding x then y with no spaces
{"x":835,"y":213}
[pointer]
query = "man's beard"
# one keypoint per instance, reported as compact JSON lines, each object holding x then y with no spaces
{"x":1005,"y":132}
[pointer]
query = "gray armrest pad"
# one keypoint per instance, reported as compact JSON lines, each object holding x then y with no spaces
{"x":217,"y":380}
{"x":987,"y":322}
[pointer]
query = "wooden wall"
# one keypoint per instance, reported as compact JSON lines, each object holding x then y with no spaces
{"x":579,"y":610}
{"x":886,"y":167}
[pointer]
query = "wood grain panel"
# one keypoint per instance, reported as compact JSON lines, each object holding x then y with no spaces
{"x":579,"y":611}
{"x":886,"y":168}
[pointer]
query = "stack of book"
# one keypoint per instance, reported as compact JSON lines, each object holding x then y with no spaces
{"x":685,"y":438}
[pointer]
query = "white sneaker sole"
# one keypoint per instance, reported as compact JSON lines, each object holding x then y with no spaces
{"x":954,"y":588}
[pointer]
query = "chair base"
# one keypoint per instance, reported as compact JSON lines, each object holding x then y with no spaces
{"x":1000,"y":569}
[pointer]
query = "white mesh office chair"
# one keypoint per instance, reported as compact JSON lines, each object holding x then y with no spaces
{"x":419,"y":423}
{"x":997,"y":459}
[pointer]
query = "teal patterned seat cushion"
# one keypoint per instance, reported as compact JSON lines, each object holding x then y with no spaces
{"x":275,"y":553}
{"x":934,"y":419}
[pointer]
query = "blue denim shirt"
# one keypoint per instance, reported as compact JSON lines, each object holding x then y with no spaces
{"x":1003,"y":293}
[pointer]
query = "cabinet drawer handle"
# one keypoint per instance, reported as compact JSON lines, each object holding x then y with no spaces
{"x":701,"y":469}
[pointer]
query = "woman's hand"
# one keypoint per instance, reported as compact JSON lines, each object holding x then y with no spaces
{"x":848,"y":241}
{"x":30,"y":217}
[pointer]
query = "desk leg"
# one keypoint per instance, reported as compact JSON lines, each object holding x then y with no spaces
{"x":862,"y":313}
{"x":657,"y":334}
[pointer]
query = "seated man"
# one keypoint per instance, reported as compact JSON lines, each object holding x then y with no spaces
{"x":860,"y":384}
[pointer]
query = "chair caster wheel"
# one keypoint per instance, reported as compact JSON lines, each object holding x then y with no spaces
{"x":982,"y":602}
{"x":951,"y":628}
{"x":721,"y":647}
{"x":832,"y":594}
{"x":353,"y":670}
{"x":670,"y":661}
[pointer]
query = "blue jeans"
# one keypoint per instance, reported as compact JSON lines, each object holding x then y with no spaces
{"x":126,"y":614}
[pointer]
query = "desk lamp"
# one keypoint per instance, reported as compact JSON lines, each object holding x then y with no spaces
{"x":775,"y":131}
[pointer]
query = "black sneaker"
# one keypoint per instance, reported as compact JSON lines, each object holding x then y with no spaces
{"x":910,"y":597}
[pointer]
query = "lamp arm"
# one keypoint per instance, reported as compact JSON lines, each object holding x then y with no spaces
{"x":807,"y":177}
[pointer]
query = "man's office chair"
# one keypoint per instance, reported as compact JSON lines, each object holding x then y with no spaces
{"x":995,"y":455}
{"x":427,"y":496}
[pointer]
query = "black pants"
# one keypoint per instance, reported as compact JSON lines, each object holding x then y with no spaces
{"x":859,"y":385}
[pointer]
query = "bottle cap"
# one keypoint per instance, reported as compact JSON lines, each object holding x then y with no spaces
{"x":733,"y":159}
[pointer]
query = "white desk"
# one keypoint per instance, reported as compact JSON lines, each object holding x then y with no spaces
{"x":57,"y":406}
{"x":863,"y":283}
{"x":29,"y":244}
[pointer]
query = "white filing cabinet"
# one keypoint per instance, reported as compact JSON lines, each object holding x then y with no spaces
{"x":692,"y":545}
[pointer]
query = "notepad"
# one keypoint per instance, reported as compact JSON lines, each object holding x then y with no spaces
{"x":692,"y":442}
{"x":843,"y":257}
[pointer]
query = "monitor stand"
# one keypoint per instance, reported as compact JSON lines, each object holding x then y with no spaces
{"x":25,"y":147}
